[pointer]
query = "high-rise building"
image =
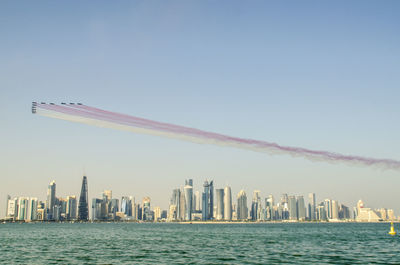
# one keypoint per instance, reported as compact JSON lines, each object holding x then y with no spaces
{"x":255,"y":212}
{"x":328,"y":208}
{"x":12,"y":209}
{"x":146,"y":215}
{"x":311,"y":206}
{"x":175,"y":200}
{"x":71,"y":208}
{"x":23,"y":204}
{"x":292,"y":204}
{"x":335,"y":210}
{"x":32,"y":209}
{"x":227,"y":203}
{"x":107,"y":195}
{"x":157,"y":214}
{"x":242,"y":211}
{"x":126,"y":205}
{"x":197,"y":202}
{"x":83,"y":207}
{"x":188,"y":191}
{"x":220,"y":204}
{"x":301,"y":209}
{"x":208,"y":201}
{"x":269,"y":207}
{"x":51,"y":200}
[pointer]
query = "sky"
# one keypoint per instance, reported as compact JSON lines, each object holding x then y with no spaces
{"x":322,"y":75}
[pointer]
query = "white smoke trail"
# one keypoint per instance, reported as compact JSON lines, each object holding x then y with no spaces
{"x":105,"y":119}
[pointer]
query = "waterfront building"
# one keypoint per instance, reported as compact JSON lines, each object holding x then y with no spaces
{"x":172,"y":213}
{"x":335,"y":210}
{"x":220,"y":204}
{"x":23,"y":203}
{"x":126,"y":205}
{"x":157,"y":214}
{"x":188,"y":192}
{"x":292,"y":204}
{"x":83,"y":207}
{"x":71,"y":208}
{"x":269,"y":204}
{"x":32,"y":209}
{"x":255,"y":212}
{"x":146,"y":213}
{"x":311,"y":206}
{"x":227,"y":203}
{"x":328,"y":208}
{"x":321,"y":212}
{"x":344,"y":212}
{"x":107,"y":195}
{"x":51,"y":200}
{"x":12,"y":209}
{"x":301,"y":210}
{"x":242,"y":211}
{"x":176,"y":200}
{"x":197,"y":202}
{"x":208,"y":201}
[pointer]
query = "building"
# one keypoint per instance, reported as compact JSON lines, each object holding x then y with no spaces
{"x":220,"y":204}
{"x":32,"y":210}
{"x":227,"y":203}
{"x":292,"y":204}
{"x":255,"y":212}
{"x":23,"y":203}
{"x":208,"y":201}
{"x":335,"y":210}
{"x":188,"y":192}
{"x":157,"y":214}
{"x":301,"y":210}
{"x":51,"y":200}
{"x":242,"y":211}
{"x":12,"y":209}
{"x":71,"y":208}
{"x":311,"y":206}
{"x":146,"y":213}
{"x":83,"y":207}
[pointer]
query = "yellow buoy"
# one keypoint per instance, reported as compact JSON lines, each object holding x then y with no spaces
{"x":392,"y":232}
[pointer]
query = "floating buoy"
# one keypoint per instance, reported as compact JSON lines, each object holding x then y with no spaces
{"x":392,"y":232}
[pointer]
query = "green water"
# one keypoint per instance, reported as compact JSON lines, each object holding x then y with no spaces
{"x":133,"y":243}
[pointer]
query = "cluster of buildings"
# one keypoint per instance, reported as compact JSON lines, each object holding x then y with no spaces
{"x":53,"y":209}
{"x":186,"y":205}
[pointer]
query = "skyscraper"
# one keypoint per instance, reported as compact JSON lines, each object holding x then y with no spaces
{"x":208,"y":201}
{"x":227,"y":203}
{"x":220,"y":204}
{"x":22,"y":208}
{"x":146,"y":209}
{"x":51,"y":200}
{"x":188,"y":191}
{"x":32,"y":209}
{"x":311,"y":206}
{"x":255,"y":206}
{"x":71,"y":208}
{"x":242,"y":211}
{"x":197,"y":201}
{"x":83,"y":207}
{"x":301,"y":210}
{"x":292,"y":204}
{"x":335,"y":210}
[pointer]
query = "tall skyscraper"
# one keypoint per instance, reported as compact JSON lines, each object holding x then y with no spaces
{"x":107,"y":195}
{"x":32,"y":209}
{"x":83,"y":207}
{"x":12,"y":209}
{"x":301,"y":209}
{"x":311,"y":206}
{"x":146,"y":209}
{"x":208,"y":201}
{"x":255,"y":211}
{"x":51,"y":200}
{"x":71,"y":208}
{"x":188,"y":191}
{"x":335,"y":209}
{"x":23,"y":204}
{"x":227,"y":203}
{"x":292,"y":204}
{"x":220,"y":204}
{"x":211,"y":204}
{"x":197,"y":201}
{"x":242,"y":211}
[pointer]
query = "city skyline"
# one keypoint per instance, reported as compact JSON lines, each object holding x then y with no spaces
{"x":215,"y":204}
{"x":323,"y":76}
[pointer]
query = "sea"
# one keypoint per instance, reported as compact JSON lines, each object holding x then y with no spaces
{"x":184,"y":243}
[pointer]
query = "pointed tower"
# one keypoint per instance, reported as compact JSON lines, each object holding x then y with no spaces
{"x":83,"y":207}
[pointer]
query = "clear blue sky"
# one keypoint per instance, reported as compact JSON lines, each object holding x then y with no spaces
{"x":316,"y":74}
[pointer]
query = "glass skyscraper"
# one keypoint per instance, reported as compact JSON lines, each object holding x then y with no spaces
{"x":83,"y":207}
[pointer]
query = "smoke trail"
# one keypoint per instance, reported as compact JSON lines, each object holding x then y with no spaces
{"x":102,"y":118}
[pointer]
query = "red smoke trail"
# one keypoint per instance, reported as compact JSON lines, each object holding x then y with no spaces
{"x":87,"y":112}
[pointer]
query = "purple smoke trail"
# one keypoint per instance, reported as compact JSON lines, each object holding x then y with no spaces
{"x":92,"y":113}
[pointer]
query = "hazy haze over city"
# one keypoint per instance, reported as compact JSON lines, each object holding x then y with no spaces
{"x":320,"y":75}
